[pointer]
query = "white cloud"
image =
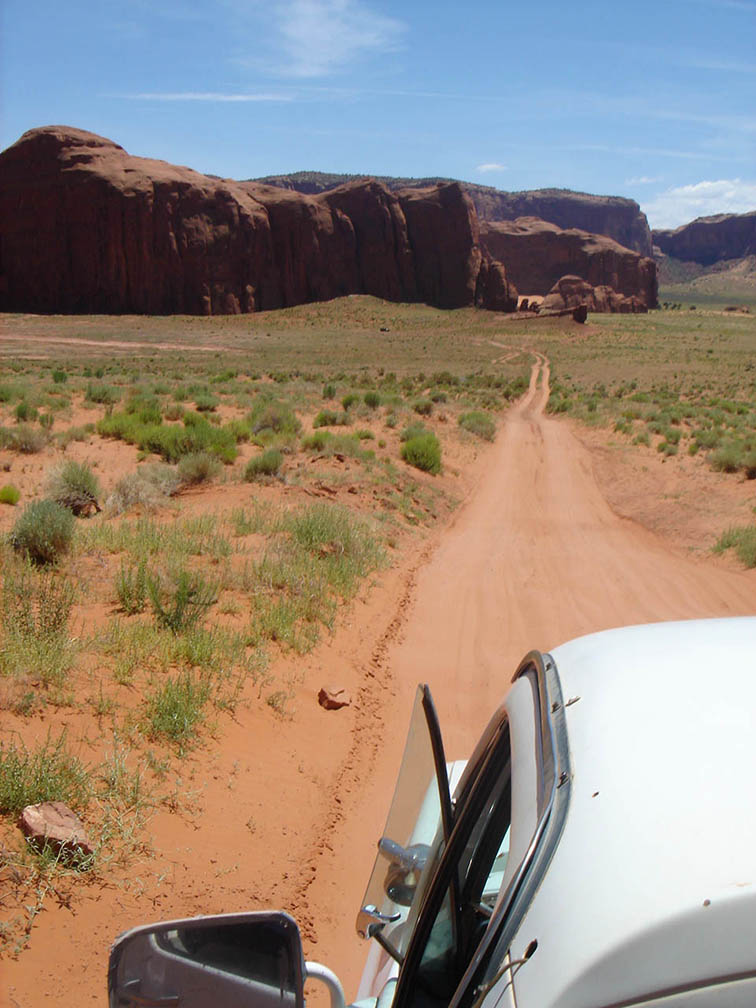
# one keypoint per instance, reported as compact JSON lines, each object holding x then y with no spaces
{"x":682,"y":204}
{"x":643,"y":180}
{"x":206,"y":96}
{"x":318,"y":37}
{"x":491,"y":166}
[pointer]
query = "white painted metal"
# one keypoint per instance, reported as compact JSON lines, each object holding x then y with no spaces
{"x":652,"y":887}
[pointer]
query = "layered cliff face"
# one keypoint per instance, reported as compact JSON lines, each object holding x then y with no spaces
{"x":85,"y":227}
{"x":613,"y":216}
{"x":708,"y":240}
{"x":536,"y":254}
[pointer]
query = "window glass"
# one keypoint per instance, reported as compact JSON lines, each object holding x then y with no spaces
{"x":464,"y":906}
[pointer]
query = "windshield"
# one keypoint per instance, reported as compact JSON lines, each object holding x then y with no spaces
{"x":413,"y":833}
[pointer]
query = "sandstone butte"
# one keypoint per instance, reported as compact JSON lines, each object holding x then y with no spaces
{"x":708,"y":240}
{"x":614,"y":216}
{"x":536,"y":254}
{"x":86,"y":227}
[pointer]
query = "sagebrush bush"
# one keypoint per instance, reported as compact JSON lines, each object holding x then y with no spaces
{"x":330,"y":418}
{"x":478,"y":423}
{"x":10,"y":494}
{"x":424,"y":407}
{"x":74,"y":486}
{"x":43,"y":531}
{"x":28,"y":440}
{"x":148,"y":488}
{"x":25,"y":412}
{"x":372,"y":400}
{"x":103,"y":395}
{"x":413,"y":430}
{"x":201,"y":467}
{"x":269,"y":414}
{"x":349,"y":400}
{"x":266,"y":464}
{"x":423,"y":452}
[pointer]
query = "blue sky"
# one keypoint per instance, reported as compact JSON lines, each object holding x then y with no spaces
{"x":654,"y":100}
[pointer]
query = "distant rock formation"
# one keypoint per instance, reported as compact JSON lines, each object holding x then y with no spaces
{"x":536,"y":254}
{"x":708,"y":240}
{"x":613,"y":216}
{"x":86,"y":227}
{"x":572,"y":292}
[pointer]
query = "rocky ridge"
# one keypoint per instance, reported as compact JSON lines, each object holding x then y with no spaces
{"x":614,"y":216}
{"x":709,"y":240}
{"x":536,"y":254}
{"x":86,"y":227}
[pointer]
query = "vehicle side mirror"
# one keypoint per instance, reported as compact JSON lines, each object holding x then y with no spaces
{"x":254,"y":959}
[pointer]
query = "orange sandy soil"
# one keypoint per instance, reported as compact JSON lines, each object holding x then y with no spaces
{"x":559,"y":534}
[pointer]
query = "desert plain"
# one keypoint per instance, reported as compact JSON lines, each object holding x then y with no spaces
{"x":569,"y":478}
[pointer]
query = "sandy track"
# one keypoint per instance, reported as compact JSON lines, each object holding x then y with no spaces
{"x":534,"y":558}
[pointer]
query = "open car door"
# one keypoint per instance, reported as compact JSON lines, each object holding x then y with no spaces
{"x":418,"y":826}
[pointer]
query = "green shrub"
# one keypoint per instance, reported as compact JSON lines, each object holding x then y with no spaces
{"x":10,"y":494}
{"x":131,"y":587}
{"x":43,"y":531}
{"x":330,"y":418}
{"x":372,"y":400}
{"x":349,"y":400}
{"x":317,"y":441}
{"x":46,"y":421}
{"x":173,"y":411}
{"x":206,"y":403}
{"x":727,"y":458}
{"x":74,"y":486}
{"x":269,"y":414}
{"x":36,"y":611}
{"x":424,"y":407}
{"x":176,"y":709}
{"x":329,"y":391}
{"x":480,"y":424}
{"x":413,"y":430}
{"x":266,"y":464}
{"x":743,"y":540}
{"x":200,"y":467}
{"x":25,"y":412}
{"x":28,"y":440}
{"x":439,"y":396}
{"x":148,"y":488}
{"x":145,"y":408}
{"x":49,"y":773}
{"x":104,"y":395}
{"x":179,"y":606}
{"x":59,"y":377}
{"x":423,"y":452}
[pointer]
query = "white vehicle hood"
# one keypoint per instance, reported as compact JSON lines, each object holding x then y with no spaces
{"x":653,"y":883}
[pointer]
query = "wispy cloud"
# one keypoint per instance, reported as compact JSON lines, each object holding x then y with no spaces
{"x":491,"y":166}
{"x":681,"y":204}
{"x":206,"y":96}
{"x":643,"y":180}
{"x":319,"y":37}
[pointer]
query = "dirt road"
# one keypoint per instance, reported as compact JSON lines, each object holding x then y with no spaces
{"x":534,"y":557}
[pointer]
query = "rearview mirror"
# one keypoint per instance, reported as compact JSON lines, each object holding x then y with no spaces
{"x":254,"y":959}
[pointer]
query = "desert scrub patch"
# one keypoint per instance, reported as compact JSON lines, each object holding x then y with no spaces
{"x":423,"y":407}
{"x":372,"y":400}
{"x":28,"y":440}
{"x":175,"y":710}
{"x":330,"y":418}
{"x":145,"y":537}
{"x":131,"y":587}
{"x":35,"y":612}
{"x":478,"y":423}
{"x":269,"y":415}
{"x":10,"y":494}
{"x":171,"y":441}
{"x":180,"y":602}
{"x":200,"y":467}
{"x":742,"y":539}
{"x":48,"y":773}
{"x":423,"y":452}
{"x":149,"y":488}
{"x":103,"y":395}
{"x":266,"y":465}
{"x":75,"y":487}
{"x":43,"y":532}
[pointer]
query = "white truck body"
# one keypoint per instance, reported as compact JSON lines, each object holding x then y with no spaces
{"x":599,"y":850}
